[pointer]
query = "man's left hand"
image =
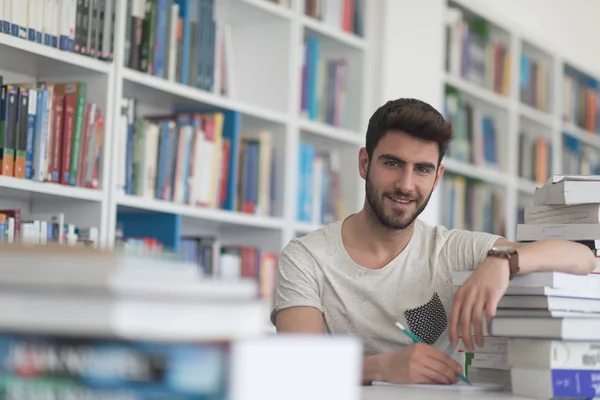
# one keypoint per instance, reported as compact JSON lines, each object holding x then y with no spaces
{"x":478,"y":294}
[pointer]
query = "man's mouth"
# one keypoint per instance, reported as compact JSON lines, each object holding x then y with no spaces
{"x":400,"y":200}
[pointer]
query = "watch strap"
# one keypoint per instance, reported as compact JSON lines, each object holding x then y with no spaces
{"x":513,"y":260}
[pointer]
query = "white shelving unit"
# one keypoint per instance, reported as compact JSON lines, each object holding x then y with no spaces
{"x":267,"y":42}
{"x":429,"y":78}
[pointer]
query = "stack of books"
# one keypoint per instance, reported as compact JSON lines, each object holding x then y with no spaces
{"x":533,"y":305}
{"x":83,"y":323}
{"x":551,"y":320}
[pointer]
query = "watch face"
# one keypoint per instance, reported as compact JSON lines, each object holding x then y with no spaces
{"x":504,"y":249}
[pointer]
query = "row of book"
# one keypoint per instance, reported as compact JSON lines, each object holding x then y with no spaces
{"x":226,"y":261}
{"x":17,"y":226}
{"x":181,"y":41}
{"x":581,"y":100}
{"x":472,"y":205}
{"x":475,"y":54}
{"x":49,"y":132}
{"x":83,"y":26}
{"x":579,"y":158}
{"x":210,"y":257}
{"x":320,"y":200}
{"x":347,"y":15}
{"x":543,"y":340}
{"x":476,"y":132}
{"x":535,"y":156}
{"x":202,"y":159}
{"x":324,"y":80}
{"x":534,"y":83}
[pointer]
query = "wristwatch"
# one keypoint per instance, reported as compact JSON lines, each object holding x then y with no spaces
{"x":508,"y":253}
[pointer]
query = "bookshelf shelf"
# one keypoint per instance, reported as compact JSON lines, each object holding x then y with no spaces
{"x":175,"y":96}
{"x":339,"y":36}
{"x":477,"y":92}
{"x":255,"y":10}
{"x":331,"y":132}
{"x":34,"y":55}
{"x":132,"y":203}
{"x":539,"y":117}
{"x":37,"y":189}
{"x":587,"y":137}
{"x":484,"y":174}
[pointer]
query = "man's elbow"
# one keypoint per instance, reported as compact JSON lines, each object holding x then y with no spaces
{"x":589,"y":262}
{"x":586,"y":260}
{"x":302,"y":320}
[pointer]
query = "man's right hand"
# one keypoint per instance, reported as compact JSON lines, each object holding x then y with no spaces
{"x":419,"y":363}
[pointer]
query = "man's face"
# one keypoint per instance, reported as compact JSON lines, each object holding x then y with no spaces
{"x":400,"y":178}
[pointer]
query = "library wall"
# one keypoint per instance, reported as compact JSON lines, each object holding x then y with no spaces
{"x":560,"y":23}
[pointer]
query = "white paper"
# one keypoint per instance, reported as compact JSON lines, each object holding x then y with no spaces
{"x":461,"y":386}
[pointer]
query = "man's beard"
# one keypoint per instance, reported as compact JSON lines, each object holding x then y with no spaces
{"x":397,"y":221}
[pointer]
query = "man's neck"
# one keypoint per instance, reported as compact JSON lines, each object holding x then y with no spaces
{"x":365,"y":237}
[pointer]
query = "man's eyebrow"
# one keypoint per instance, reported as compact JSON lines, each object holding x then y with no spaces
{"x":391,"y":157}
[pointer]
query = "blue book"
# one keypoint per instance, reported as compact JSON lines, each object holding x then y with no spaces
{"x":184,"y":14}
{"x":161,"y":38}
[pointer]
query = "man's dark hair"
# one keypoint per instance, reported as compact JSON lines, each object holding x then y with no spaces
{"x":415,"y":117}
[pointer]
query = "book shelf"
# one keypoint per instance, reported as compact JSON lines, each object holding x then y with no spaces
{"x":264,"y":45}
{"x":506,"y":93}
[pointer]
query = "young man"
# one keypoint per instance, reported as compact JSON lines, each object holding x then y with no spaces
{"x":361,"y":275}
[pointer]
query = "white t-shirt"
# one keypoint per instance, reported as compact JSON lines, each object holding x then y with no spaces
{"x":414,"y":289}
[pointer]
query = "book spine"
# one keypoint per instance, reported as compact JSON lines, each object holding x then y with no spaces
{"x":41,"y":133}
{"x":79,"y":112}
{"x":56,"y":155}
{"x":31,"y":129}
{"x":8,"y":161}
{"x":67,"y":138}
{"x":21,"y":135}
{"x":32,"y":11}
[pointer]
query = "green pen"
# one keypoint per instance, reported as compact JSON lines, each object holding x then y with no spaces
{"x":417,"y":340}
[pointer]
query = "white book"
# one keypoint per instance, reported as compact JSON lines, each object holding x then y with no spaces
{"x":556,"y":303}
{"x":172,"y":57}
{"x":582,"y":329}
{"x":40,"y":10}
{"x":558,"y":231}
{"x":32,"y":12}
{"x":130,"y":317}
{"x":552,"y":354}
{"x":152,"y":132}
{"x":550,"y":279}
{"x":20,"y":12}
{"x":67,"y":20}
{"x":562,"y":214}
{"x":561,"y":190}
{"x":7,"y":27}
{"x":40,"y":137}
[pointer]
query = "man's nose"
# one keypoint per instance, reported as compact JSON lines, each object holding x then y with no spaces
{"x":405,"y":180}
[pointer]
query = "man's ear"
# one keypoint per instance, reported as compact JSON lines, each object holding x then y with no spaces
{"x":363,"y":162}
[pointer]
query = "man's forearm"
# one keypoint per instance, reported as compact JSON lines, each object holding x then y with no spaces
{"x":372,"y":368}
{"x":556,"y":255}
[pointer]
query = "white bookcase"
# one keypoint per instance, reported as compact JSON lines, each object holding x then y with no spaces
{"x":267,"y":43}
{"x":423,"y":25}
